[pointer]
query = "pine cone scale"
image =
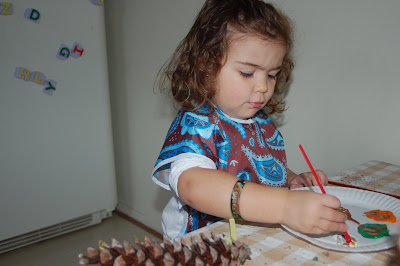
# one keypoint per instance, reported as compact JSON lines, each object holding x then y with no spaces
{"x":208,"y":251}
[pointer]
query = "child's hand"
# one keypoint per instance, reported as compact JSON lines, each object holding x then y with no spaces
{"x":313,"y":213}
{"x":308,"y":180}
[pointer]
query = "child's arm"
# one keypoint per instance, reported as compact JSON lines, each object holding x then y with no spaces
{"x":209,"y":191}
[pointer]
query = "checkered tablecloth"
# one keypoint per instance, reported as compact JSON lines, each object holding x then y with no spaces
{"x":373,"y":175}
{"x":272,"y":245}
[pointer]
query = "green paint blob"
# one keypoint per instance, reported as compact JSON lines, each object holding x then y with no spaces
{"x":380,"y":230}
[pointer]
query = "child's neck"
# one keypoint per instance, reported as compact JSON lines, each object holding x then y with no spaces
{"x":238,"y":120}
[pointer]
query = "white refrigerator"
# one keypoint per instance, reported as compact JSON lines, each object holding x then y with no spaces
{"x":56,"y":153}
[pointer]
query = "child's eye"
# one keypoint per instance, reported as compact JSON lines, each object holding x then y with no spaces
{"x":246,"y":75}
{"x":272,"y":76}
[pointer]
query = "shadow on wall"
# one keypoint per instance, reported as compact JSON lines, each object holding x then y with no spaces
{"x":162,"y":198}
{"x":165,"y":108}
{"x":165,"y":111}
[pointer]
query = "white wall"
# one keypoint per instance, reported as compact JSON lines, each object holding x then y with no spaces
{"x":141,"y":36}
{"x":343,"y":100}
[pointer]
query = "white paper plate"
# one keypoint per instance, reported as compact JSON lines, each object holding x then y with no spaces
{"x":357,"y":201}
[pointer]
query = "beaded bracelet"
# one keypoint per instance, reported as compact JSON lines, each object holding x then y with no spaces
{"x":237,"y":189}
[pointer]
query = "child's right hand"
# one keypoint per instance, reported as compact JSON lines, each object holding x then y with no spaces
{"x":313,"y":213}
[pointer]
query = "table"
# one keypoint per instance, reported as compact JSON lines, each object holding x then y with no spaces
{"x":373,"y":175}
{"x":272,"y":245}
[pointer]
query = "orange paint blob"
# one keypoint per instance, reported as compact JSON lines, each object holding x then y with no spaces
{"x":381,"y":216}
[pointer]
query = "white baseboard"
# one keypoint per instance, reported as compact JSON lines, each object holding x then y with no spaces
{"x":152,"y":222}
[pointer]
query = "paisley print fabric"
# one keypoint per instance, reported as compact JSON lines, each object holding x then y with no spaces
{"x":253,"y":150}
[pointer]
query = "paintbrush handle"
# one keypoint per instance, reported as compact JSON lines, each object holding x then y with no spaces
{"x":312,"y":169}
{"x":346,"y":235}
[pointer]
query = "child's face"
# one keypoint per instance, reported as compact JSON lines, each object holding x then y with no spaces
{"x":247,"y":80}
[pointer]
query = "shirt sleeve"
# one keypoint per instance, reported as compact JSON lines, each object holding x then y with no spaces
{"x":191,"y":136}
{"x":182,"y":164}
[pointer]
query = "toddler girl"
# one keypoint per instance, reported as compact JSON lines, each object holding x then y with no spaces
{"x":223,"y":156}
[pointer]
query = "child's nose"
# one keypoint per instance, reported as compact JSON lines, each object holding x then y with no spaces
{"x":262,"y":86}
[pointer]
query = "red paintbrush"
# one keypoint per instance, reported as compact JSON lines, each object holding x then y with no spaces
{"x":346,"y":235}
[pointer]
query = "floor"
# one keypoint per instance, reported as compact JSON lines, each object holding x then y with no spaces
{"x":64,"y":250}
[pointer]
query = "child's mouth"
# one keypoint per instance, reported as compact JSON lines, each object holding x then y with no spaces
{"x":256,"y":104}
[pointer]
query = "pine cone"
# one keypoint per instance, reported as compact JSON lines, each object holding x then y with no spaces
{"x":214,"y":251}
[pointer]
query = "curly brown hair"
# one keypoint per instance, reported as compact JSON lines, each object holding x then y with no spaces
{"x":191,"y":72}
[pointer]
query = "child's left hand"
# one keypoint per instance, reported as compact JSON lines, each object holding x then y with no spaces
{"x":308,"y":180}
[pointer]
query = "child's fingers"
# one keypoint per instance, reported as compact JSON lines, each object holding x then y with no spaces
{"x":293,"y":186}
{"x":331,"y":201}
{"x":329,"y":220}
{"x":326,"y":227}
{"x":332,"y":220}
{"x":302,"y":180}
{"x":322,"y":177}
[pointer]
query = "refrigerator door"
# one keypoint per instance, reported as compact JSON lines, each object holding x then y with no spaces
{"x":56,"y":151}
